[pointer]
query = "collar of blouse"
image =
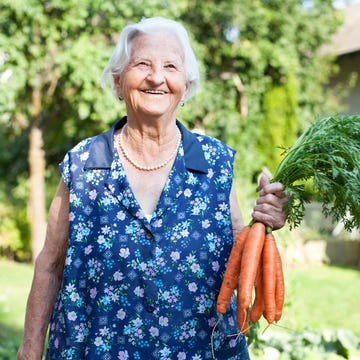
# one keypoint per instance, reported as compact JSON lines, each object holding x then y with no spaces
{"x":101,"y":149}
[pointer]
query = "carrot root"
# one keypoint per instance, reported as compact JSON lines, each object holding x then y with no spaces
{"x":232,"y":271}
{"x":249,"y":263}
{"x":258,"y":305}
{"x":269,"y":276}
{"x":280,"y":287}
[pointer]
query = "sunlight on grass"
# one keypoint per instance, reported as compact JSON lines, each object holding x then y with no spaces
{"x":15,"y":281}
{"x":321,"y":298}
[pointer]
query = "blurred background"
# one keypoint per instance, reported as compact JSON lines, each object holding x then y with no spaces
{"x":269,"y":68}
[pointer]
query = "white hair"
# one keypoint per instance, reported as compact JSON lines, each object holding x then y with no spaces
{"x":122,"y":52}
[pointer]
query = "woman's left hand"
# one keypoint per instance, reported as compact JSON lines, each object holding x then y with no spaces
{"x":269,"y":205}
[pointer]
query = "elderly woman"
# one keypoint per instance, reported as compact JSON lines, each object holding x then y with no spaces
{"x":142,"y":223}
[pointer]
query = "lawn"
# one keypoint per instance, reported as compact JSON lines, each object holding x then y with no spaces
{"x":317,"y":299}
{"x":15,"y":280}
{"x":322,"y":298}
{"x":321,"y":317}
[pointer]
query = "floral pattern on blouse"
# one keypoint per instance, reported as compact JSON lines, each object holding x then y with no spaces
{"x":146,"y":289}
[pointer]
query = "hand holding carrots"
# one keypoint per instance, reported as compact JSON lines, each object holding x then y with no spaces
{"x":269,"y":205}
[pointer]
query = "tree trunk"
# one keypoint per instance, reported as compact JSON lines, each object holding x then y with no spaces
{"x":37,"y":207}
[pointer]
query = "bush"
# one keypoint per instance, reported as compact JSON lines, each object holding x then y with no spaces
{"x":306,"y":345}
{"x":8,"y":350}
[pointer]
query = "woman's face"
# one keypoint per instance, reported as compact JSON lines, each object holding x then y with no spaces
{"x":153,"y":83}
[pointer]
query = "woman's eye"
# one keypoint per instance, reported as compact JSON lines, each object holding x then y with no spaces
{"x":143,"y":64}
{"x":170,"y":66}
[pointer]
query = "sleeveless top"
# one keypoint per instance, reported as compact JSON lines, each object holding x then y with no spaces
{"x":137,"y":288}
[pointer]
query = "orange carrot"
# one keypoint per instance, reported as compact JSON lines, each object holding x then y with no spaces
{"x":232,"y":271}
{"x":242,"y":316}
{"x":279,"y":287}
{"x":269,"y":275}
{"x":258,"y":305}
{"x":249,"y":263}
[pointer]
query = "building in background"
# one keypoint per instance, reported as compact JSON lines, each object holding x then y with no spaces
{"x":346,"y":46}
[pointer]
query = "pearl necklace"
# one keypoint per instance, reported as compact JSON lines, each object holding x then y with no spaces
{"x":146,"y":168}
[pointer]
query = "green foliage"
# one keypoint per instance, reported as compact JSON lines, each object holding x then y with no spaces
{"x":273,"y":46}
{"x":8,"y":350}
{"x":310,"y":345}
{"x":328,"y":154}
{"x":14,"y":228}
{"x":279,"y":125}
{"x":61,"y":47}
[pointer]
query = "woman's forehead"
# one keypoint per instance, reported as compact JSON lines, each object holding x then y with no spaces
{"x":156,"y":43}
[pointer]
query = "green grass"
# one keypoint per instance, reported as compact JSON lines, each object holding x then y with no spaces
{"x":317,"y":299}
{"x":15,"y":281}
{"x":322,"y":298}
{"x":326,"y":297}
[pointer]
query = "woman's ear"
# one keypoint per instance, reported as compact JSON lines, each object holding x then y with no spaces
{"x":117,"y":84}
{"x":187,"y":87}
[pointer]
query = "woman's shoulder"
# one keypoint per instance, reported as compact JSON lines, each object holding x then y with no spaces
{"x":82,"y":145}
{"x":210,"y":143}
{"x":199,"y":136}
{"x":80,"y":153}
{"x":101,"y":141}
{"x":214,"y":152}
{"x":85,"y":145}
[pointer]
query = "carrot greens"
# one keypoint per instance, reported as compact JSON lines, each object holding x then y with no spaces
{"x":327,"y":155}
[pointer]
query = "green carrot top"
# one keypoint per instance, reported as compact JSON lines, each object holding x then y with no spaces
{"x":328,"y":154}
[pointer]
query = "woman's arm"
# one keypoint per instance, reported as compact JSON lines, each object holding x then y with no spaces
{"x":47,"y":278}
{"x":236,"y":216}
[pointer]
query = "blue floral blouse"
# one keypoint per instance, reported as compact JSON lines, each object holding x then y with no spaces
{"x":135,"y":288}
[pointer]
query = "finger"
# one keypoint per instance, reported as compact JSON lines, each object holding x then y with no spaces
{"x":275,"y":221}
{"x":263,"y":181}
{"x":269,"y":209}
{"x":271,"y":199}
{"x":263,"y":217}
{"x":273,"y":188}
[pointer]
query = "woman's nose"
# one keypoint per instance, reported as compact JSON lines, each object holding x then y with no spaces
{"x":156,"y":74}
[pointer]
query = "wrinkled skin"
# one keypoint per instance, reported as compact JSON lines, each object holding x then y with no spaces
{"x":269,"y":205}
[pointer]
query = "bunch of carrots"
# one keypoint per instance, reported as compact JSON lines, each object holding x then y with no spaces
{"x":254,"y":264}
{"x":326,"y":156}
